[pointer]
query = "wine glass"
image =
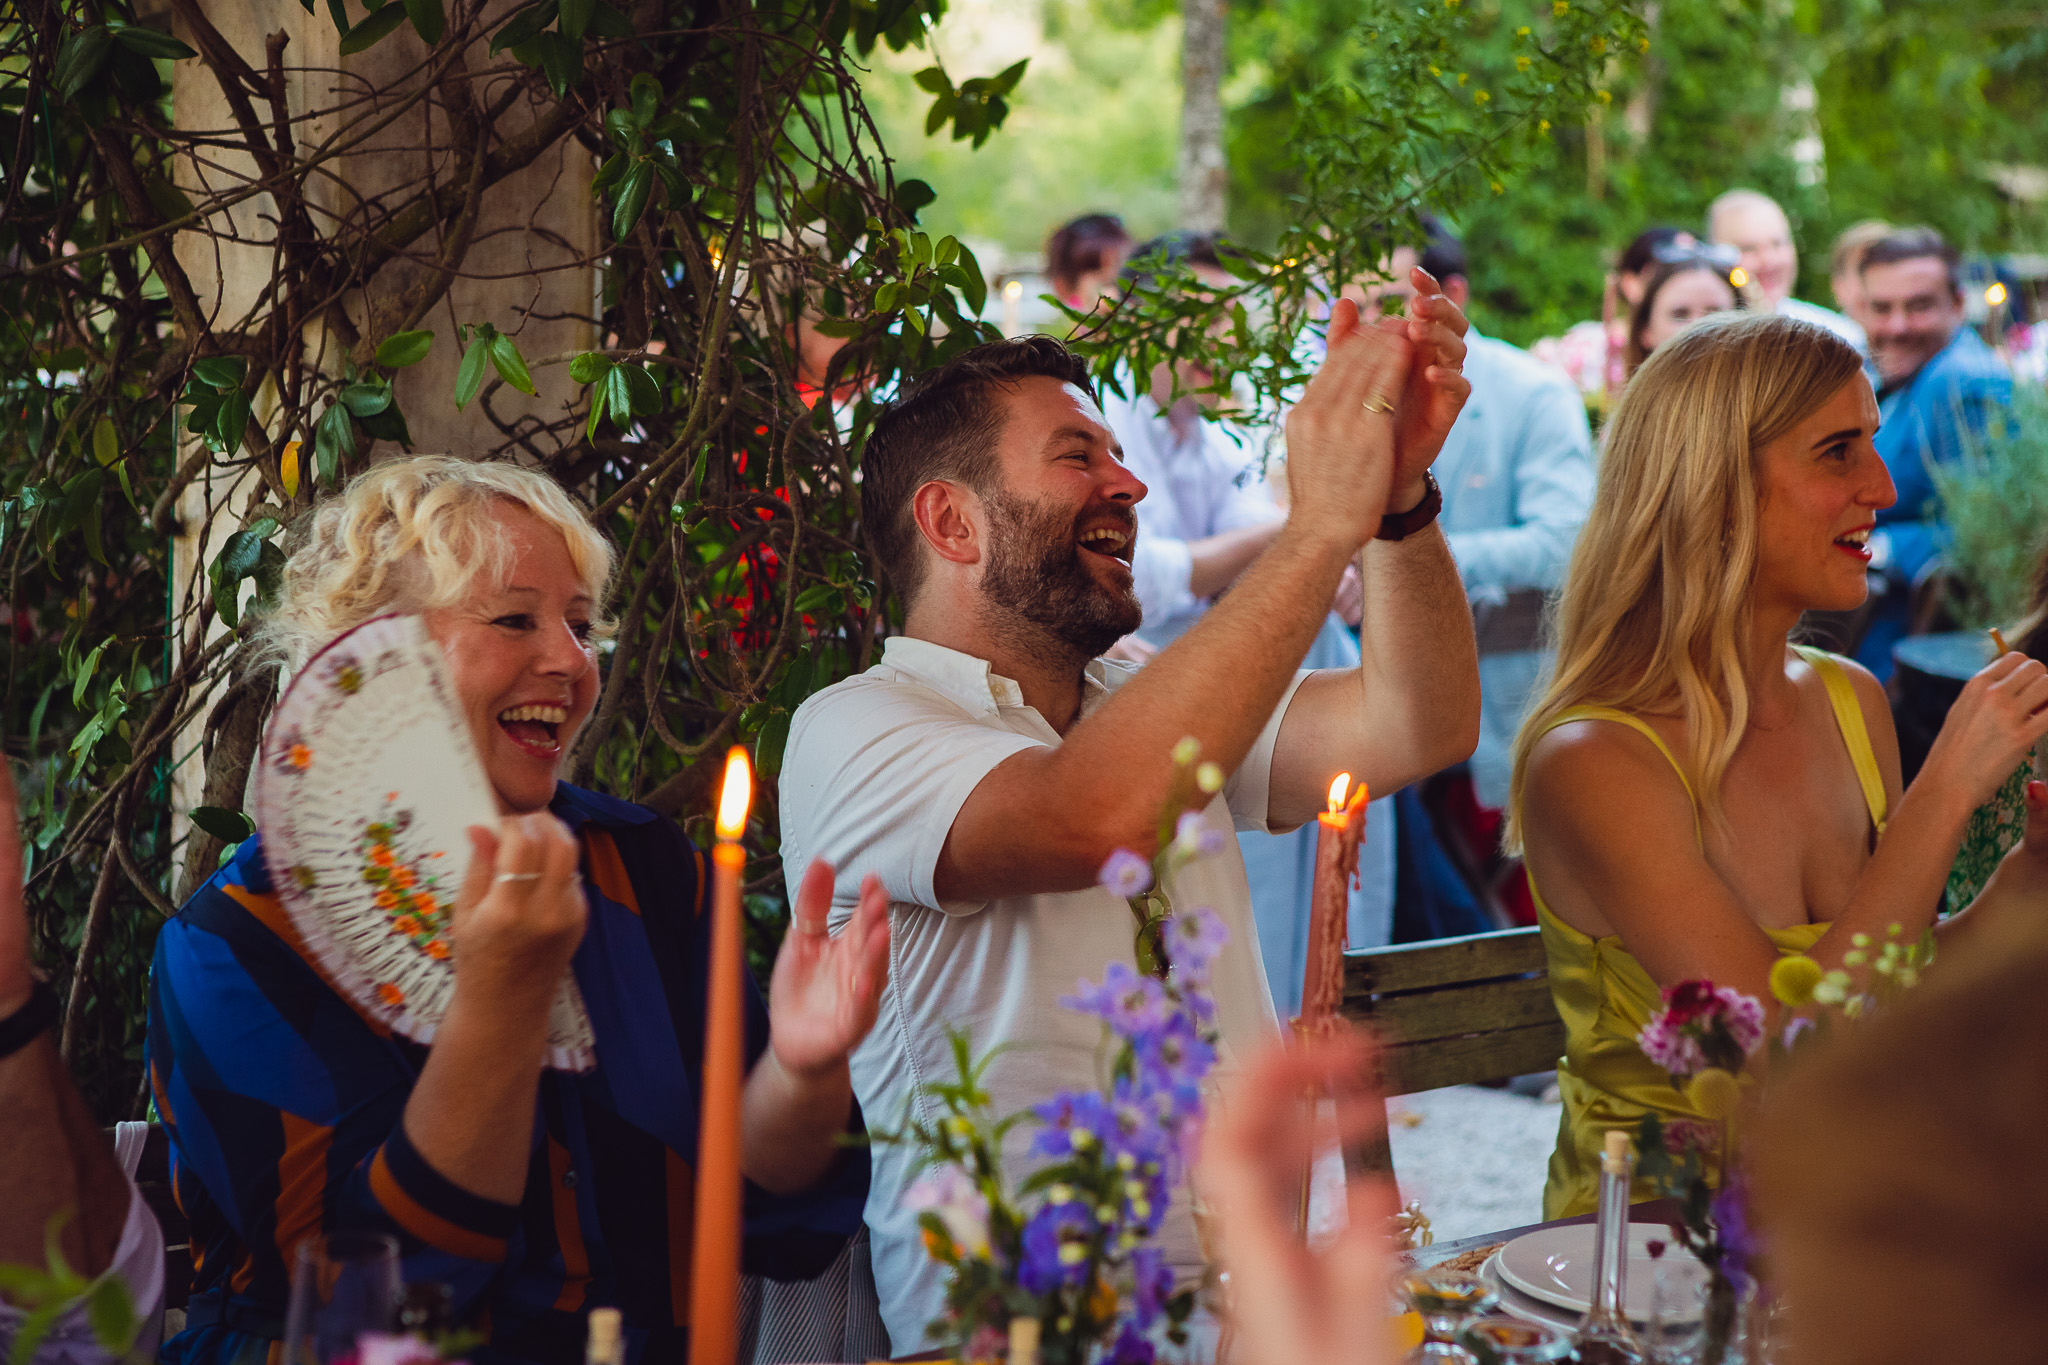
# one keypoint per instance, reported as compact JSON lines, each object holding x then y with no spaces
{"x":1678,"y":1311}
{"x":1512,"y":1341}
{"x":1446,"y":1299}
{"x":343,"y":1285}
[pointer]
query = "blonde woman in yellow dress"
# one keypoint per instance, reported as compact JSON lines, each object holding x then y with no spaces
{"x":1694,"y":794}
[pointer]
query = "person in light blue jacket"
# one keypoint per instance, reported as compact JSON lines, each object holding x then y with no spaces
{"x":1938,"y":387}
{"x":1517,"y":479}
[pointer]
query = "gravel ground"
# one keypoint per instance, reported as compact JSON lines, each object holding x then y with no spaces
{"x":1474,"y":1157}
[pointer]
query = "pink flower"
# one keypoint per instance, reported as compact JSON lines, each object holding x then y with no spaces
{"x":1667,"y":1043}
{"x":1702,"y":1025}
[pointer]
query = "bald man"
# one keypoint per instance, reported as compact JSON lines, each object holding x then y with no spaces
{"x":1754,"y":225}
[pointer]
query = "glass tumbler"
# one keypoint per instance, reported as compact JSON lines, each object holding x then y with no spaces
{"x":1445,"y":1300}
{"x":1511,"y":1341}
{"x":343,"y":1285}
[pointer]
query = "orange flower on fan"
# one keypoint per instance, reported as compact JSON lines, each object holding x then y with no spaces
{"x":437,"y":950}
{"x":425,"y":904}
{"x":381,"y":855}
{"x":387,"y":900}
{"x":299,"y":756}
{"x":408,"y":924}
{"x":390,"y":994}
{"x":403,"y":877}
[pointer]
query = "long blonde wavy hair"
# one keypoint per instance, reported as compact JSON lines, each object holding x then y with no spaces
{"x":1655,"y":611}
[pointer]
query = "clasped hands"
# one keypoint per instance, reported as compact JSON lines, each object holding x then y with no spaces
{"x":1375,"y":416}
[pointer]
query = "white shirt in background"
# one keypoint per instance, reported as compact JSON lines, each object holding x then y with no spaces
{"x":876,"y":771}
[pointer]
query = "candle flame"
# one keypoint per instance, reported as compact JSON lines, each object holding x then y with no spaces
{"x":1995,"y":295}
{"x":1339,"y":789}
{"x":736,"y":795}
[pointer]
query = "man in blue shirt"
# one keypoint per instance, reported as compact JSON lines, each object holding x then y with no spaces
{"x":1938,"y":384}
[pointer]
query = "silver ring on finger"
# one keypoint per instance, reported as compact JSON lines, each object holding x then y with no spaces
{"x":517,"y":877}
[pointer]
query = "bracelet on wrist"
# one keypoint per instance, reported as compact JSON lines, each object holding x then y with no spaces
{"x":30,"y":1022}
{"x":1401,"y":525}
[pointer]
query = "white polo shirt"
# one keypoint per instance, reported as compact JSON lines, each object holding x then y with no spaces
{"x":876,"y":770}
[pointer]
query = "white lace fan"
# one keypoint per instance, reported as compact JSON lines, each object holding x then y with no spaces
{"x":367,"y":786}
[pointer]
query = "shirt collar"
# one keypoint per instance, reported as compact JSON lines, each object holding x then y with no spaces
{"x":972,"y":682}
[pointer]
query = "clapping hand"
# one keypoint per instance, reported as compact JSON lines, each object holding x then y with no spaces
{"x":1437,"y":387}
{"x":825,"y":990}
{"x":1292,"y":1305}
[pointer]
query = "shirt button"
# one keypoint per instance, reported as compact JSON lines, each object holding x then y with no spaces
{"x":568,"y":1180}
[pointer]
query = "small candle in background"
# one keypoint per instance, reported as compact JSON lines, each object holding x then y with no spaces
{"x":1338,"y":832}
{"x":715,"y":1258}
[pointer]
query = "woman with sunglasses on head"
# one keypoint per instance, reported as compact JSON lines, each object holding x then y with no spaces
{"x":1696,"y":796}
{"x":1686,"y":285}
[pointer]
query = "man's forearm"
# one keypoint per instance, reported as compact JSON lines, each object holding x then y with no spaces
{"x":1216,"y":561}
{"x":54,"y":1160}
{"x":790,"y":1124}
{"x":1420,"y":664}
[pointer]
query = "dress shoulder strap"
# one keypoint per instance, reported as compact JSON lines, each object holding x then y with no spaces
{"x":1855,"y":734}
{"x":1641,"y":727}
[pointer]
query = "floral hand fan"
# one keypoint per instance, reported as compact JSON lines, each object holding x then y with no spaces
{"x":366,"y":790}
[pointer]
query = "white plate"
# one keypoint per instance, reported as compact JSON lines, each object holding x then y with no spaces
{"x":1519,"y":1305}
{"x":1555,"y":1265}
{"x":367,"y":786}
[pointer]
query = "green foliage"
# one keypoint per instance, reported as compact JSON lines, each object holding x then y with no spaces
{"x":46,"y":1293}
{"x":1996,"y":502}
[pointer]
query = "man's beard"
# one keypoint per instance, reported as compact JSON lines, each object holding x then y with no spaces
{"x":1035,"y":574}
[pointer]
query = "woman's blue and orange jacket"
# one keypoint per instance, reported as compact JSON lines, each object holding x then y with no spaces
{"x":284,"y":1105}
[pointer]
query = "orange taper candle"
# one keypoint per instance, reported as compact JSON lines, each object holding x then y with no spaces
{"x":715,"y":1257}
{"x":1338,"y":831}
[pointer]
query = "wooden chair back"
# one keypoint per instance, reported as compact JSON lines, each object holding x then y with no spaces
{"x":1456,"y":1011}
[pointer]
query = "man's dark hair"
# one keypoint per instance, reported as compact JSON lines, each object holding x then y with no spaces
{"x":1081,"y":247}
{"x":1910,"y":244}
{"x":1442,"y":254}
{"x":945,"y":426}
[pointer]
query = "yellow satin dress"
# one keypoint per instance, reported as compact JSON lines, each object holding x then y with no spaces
{"x":1605,"y":997}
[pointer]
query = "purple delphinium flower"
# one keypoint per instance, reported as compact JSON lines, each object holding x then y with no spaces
{"x":1793,"y":1029}
{"x":1175,"y":1059}
{"x":1730,"y":1211}
{"x":1068,"y":1116}
{"x":1055,"y":1247}
{"x":1131,"y":1348}
{"x":1194,"y":835}
{"x":1127,"y":1000}
{"x":1125,"y":874}
{"x":1194,"y":937}
{"x":1151,"y":1285}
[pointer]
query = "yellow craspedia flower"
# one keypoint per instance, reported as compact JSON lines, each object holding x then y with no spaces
{"x":1464,"y":76}
{"x":1603,"y":96}
{"x":1209,"y":778}
{"x":1642,"y":44}
{"x":1522,"y":32}
{"x":1543,"y":127}
{"x":1714,"y":1093}
{"x":1560,"y":8}
{"x":1499,"y":188}
{"x":1435,"y":70}
{"x":1793,"y":979}
{"x":1599,"y":46}
{"x":1521,"y":63}
{"x":1480,"y":97}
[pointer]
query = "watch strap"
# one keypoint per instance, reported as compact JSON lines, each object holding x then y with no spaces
{"x":1401,"y":525}
{"x":28,"y":1023}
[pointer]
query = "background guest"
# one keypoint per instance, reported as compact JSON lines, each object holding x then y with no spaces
{"x":1517,"y":475}
{"x":1754,"y":225}
{"x":1678,"y":294}
{"x":1591,"y":352}
{"x":58,"y":1171}
{"x":1938,"y":386}
{"x":534,"y":1194}
{"x":1845,"y":267}
{"x":1207,"y":513}
{"x":1083,"y":258}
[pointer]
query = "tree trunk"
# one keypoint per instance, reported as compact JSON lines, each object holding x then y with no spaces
{"x":1203,"y":175}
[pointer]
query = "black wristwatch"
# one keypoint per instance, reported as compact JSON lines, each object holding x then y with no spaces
{"x":27,"y":1024}
{"x":1401,"y":525}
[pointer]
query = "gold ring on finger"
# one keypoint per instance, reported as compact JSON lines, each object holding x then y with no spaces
{"x":1378,"y":403}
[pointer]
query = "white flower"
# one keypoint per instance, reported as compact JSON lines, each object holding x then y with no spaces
{"x":950,"y":1193}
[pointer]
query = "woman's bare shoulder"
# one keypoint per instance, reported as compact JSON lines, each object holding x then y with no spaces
{"x":1592,"y":768}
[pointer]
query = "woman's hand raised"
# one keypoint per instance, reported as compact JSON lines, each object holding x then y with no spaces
{"x":1992,"y":726}
{"x":825,"y":990}
{"x":521,"y":912}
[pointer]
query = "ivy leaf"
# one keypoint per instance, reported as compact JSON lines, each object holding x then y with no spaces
{"x":238,"y":559}
{"x":561,"y":61}
{"x":334,"y":440}
{"x":510,"y":365}
{"x":632,"y":201}
{"x":606,"y":22}
{"x":932,"y":78}
{"x":646,"y":95}
{"x":366,"y":400}
{"x":228,"y":826}
{"x":147,"y":42}
{"x":81,"y":59}
{"x":644,"y":393}
{"x":83,"y":678}
{"x":106,"y":442}
{"x":373,"y":30}
{"x":81,"y":509}
{"x":912,"y":195}
{"x":232,"y":421}
{"x":470,"y":376}
{"x":401,"y":349}
{"x":575,"y":16}
{"x":221,"y":371}
{"x":428,"y":19}
{"x":524,"y":26}
{"x":590,"y":367}
{"x":975,"y":291}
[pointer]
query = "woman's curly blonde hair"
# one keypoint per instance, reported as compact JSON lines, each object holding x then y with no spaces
{"x":411,"y":535}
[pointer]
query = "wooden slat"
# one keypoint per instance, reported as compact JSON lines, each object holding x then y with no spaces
{"x":1455,"y":1011}
{"x":1510,"y":952}
{"x":1470,"y":1060}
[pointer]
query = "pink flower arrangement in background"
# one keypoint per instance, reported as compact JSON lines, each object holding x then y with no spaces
{"x":1703,"y":1025}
